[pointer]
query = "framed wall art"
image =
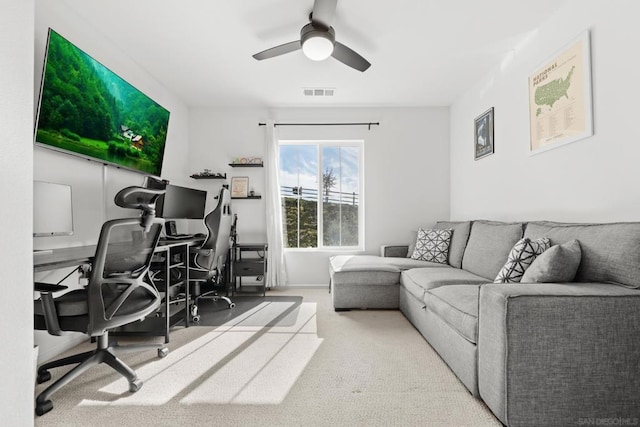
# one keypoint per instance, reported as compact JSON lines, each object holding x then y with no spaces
{"x":560,"y":110}
{"x":483,"y":134}
{"x":240,"y":186}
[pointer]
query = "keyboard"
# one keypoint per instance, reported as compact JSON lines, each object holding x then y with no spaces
{"x":180,"y":236}
{"x":42,"y":251}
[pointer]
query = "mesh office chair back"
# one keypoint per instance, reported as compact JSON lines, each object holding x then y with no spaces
{"x":117,"y":294}
{"x":118,"y":289}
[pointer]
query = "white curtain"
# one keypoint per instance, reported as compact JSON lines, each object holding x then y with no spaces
{"x":276,"y":267}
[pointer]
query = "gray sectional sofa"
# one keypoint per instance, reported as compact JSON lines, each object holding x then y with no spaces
{"x":537,"y":354}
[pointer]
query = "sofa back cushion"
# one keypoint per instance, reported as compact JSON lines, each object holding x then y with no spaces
{"x":459,"y":239}
{"x":610,"y":251}
{"x":489,"y":245}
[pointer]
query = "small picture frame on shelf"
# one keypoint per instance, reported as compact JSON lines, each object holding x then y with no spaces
{"x":240,"y":186}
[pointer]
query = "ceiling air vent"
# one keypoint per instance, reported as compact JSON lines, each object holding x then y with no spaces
{"x":318,"y":91}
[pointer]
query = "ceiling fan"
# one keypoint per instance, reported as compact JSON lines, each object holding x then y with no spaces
{"x":318,"y":40}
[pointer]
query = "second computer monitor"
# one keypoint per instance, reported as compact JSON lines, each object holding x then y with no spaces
{"x":181,"y":203}
{"x":52,"y":209}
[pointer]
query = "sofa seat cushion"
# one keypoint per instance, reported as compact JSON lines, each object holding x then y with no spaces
{"x":371,"y":269}
{"x":457,"y":306}
{"x":419,"y":280}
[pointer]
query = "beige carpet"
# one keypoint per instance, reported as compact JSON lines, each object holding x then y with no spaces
{"x":279,"y":364}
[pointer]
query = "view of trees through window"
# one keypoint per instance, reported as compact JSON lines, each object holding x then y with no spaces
{"x":320,"y":192}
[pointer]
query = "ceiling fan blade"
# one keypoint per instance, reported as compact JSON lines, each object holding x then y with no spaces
{"x":278,"y":50}
{"x":349,"y":57}
{"x":323,"y":11}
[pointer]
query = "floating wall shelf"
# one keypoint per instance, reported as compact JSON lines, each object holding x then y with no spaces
{"x":246,"y":165}
{"x":248,"y":197}
{"x":210,"y":176}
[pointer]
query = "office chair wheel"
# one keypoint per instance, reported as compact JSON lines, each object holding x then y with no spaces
{"x":135,"y":385}
{"x":44,"y":407}
{"x":162,"y":352}
{"x":43,"y":377}
{"x":232,"y":305}
{"x":196,"y":318}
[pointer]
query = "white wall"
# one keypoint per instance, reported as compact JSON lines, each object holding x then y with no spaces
{"x":93,"y":184}
{"x":406,"y":169}
{"x":217,"y":136}
{"x":595,"y":179}
{"x":16,"y":168}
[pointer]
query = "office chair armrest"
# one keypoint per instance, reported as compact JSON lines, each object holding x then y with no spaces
{"x":48,"y":287}
{"x":199,"y":251}
{"x":49,"y":306}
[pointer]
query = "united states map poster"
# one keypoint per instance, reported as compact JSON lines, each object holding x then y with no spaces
{"x":560,"y":108}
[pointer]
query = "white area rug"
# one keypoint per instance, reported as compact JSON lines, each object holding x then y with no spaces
{"x":281,"y":363}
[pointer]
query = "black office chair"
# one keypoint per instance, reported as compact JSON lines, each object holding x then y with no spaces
{"x":210,"y":261}
{"x":116,"y":294}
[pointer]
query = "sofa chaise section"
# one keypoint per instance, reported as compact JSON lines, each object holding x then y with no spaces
{"x":368,"y":281}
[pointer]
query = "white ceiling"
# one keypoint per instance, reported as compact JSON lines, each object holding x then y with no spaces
{"x":423,"y":52}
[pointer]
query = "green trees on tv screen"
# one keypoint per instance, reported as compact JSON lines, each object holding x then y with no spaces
{"x":88,"y":109}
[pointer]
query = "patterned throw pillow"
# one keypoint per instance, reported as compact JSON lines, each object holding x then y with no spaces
{"x":523,"y":253}
{"x":432,"y":245}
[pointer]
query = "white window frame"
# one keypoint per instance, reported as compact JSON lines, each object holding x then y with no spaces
{"x":359,"y":143}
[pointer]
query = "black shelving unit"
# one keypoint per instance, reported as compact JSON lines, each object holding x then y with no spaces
{"x":171,"y":278}
{"x":248,"y":266}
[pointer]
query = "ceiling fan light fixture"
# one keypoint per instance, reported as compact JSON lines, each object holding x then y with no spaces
{"x":317,"y":44}
{"x":317,"y":48}
{"x":318,"y":40}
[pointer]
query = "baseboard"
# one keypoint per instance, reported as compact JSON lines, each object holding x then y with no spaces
{"x":303,"y":286}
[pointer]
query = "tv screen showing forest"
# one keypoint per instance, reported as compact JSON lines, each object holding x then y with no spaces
{"x":86,"y":109}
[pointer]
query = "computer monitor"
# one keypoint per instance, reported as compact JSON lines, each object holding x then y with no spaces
{"x":155,"y":183}
{"x":52,"y":209}
{"x":181,"y":203}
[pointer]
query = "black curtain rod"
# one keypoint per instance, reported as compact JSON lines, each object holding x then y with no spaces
{"x":324,"y":124}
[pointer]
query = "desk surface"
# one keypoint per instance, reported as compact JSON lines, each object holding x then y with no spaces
{"x":249,"y":246}
{"x":191,"y":241}
{"x":63,"y":257}
{"x":79,"y":255}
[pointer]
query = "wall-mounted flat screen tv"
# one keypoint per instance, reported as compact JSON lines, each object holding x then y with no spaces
{"x":87,"y":110}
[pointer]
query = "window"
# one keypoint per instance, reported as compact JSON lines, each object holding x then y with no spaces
{"x":321,"y":193}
